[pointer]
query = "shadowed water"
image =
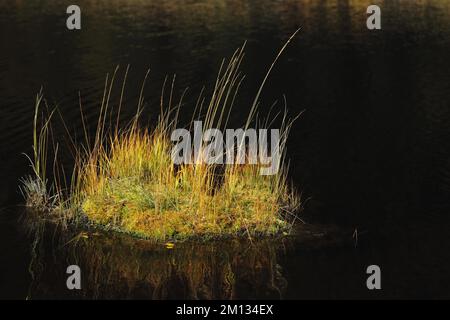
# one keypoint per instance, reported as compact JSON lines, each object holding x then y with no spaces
{"x":371,"y":151}
{"x":119,"y":267}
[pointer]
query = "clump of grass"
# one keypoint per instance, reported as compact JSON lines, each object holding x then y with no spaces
{"x":125,"y":179}
{"x":34,"y":187}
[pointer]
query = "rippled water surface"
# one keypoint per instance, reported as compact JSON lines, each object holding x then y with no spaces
{"x":370,"y":152}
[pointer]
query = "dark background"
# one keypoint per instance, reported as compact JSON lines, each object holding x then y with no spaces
{"x":371,"y":151}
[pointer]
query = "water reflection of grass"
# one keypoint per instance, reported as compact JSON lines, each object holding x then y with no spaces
{"x":119,"y":267}
{"x":125,"y":180}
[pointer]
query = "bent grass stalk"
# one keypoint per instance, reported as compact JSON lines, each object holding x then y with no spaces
{"x":125,"y":179}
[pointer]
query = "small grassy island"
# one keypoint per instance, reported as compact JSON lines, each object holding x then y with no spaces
{"x":124,"y":179}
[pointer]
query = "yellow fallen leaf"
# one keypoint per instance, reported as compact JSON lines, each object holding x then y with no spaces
{"x":170,"y":245}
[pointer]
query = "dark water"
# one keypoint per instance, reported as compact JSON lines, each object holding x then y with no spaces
{"x":371,"y":151}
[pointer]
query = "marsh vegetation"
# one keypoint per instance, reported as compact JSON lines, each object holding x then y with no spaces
{"x":124,"y":178}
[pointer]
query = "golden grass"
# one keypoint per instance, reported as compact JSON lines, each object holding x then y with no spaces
{"x":125,"y":180}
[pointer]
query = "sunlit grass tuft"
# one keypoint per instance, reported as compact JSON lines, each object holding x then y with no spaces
{"x":124,"y":179}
